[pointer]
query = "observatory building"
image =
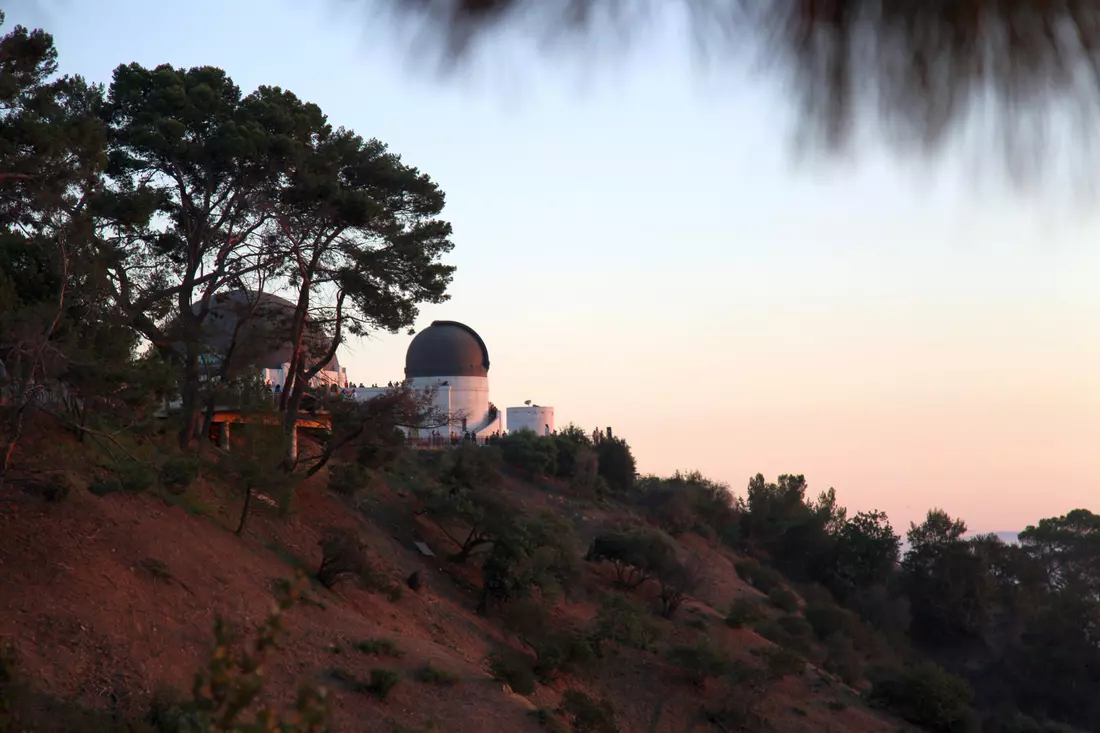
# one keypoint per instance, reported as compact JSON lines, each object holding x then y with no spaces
{"x":251,"y":330}
{"x":535,"y":418}
{"x":451,"y":358}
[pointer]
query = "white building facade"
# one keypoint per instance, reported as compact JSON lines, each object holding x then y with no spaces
{"x":450,"y":359}
{"x":535,"y":418}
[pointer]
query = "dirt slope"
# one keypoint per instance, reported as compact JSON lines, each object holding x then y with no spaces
{"x":110,"y":600}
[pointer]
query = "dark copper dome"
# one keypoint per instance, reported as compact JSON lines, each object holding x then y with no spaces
{"x":447,"y":349}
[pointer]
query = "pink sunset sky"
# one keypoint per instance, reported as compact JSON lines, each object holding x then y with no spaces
{"x":639,"y":249}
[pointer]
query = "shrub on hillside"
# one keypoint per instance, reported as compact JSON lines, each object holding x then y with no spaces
{"x":560,"y":653}
{"x":430,"y":675}
{"x":624,"y":620}
{"x":532,"y":454}
{"x":774,"y":632}
{"x":53,"y":487}
{"x":516,"y":669}
{"x":346,"y":478}
{"x":470,"y":466}
{"x":550,"y":720}
{"x":688,"y":502}
{"x":571,"y":442}
{"x":178,"y":472}
{"x":587,"y":714}
{"x":842,"y":659}
{"x":700,"y":662}
{"x":342,"y":557}
{"x":925,"y":694}
{"x":380,"y":647}
{"x":677,"y":581}
{"x":783,"y":599}
{"x":745,"y":612}
{"x":796,"y":626}
{"x":136,"y":477}
{"x":528,"y":554}
{"x":780,"y":662}
{"x":585,"y":477}
{"x":616,"y":464}
{"x":761,"y":577}
{"x":827,"y":619}
{"x":382,"y":682}
{"x":637,"y":553}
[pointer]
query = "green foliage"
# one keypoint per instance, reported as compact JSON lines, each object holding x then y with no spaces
{"x":691,"y":502}
{"x":530,"y":553}
{"x":135,"y":477}
{"x":257,"y":464}
{"x":927,"y":695}
{"x":346,"y":478}
{"x":560,"y":654}
{"x":104,"y":485}
{"x":775,"y":632}
{"x":588,"y":715}
{"x":434,"y":676}
{"x":53,"y":487}
{"x":380,"y":648}
{"x":616,"y":465}
{"x":570,"y":443}
{"x":867,"y":552}
{"x":549,"y":719}
{"x":515,"y":669}
{"x":676,"y":581}
{"x":796,"y":533}
{"x":178,"y":472}
{"x":342,"y":556}
{"x":842,"y":658}
{"x":745,"y":612}
{"x":467,"y":499}
{"x":624,"y":620}
{"x":827,"y":619}
{"x":701,"y":661}
{"x":224,"y":693}
{"x":584,"y":474}
{"x":781,"y":661}
{"x":783,"y":599}
{"x":532,"y":454}
{"x":796,"y":626}
{"x":471,"y":467}
{"x":382,"y":682}
{"x":637,"y":553}
{"x":759,"y":576}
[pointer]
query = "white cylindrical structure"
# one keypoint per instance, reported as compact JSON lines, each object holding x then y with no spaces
{"x":537,"y":419}
{"x":465,"y":400}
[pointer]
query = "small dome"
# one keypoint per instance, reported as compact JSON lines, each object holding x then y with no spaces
{"x":447,"y":349}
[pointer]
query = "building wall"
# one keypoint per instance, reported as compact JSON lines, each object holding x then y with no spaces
{"x":531,"y":418}
{"x":460,"y":397}
{"x":325,"y":377}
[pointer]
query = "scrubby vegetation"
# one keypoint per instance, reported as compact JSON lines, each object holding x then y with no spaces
{"x":576,"y":567}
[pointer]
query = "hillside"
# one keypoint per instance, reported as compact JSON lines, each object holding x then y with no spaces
{"x":110,"y":603}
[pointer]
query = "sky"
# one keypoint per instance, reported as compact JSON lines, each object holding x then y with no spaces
{"x":640,"y":248}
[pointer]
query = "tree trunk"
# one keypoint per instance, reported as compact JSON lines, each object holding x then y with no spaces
{"x":16,"y":431}
{"x":244,"y":511}
{"x":190,"y":395}
{"x":468,"y":548}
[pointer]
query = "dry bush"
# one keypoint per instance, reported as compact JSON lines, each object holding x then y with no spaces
{"x":342,"y":556}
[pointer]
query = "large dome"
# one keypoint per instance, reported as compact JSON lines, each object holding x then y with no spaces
{"x":447,"y":349}
{"x":257,"y":326}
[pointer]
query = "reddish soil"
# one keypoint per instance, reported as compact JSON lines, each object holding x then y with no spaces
{"x":90,"y":621}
